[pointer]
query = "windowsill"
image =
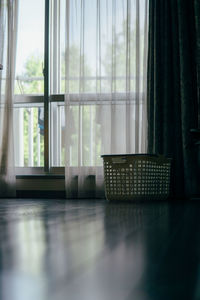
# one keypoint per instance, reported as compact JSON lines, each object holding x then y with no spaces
{"x":41,"y":176}
{"x":38,"y":180}
{"x":44,"y":182}
{"x":54,"y":171}
{"x":38,"y":171}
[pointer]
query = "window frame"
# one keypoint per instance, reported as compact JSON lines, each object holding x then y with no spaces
{"x":45,"y":99}
{"x":52,"y":88}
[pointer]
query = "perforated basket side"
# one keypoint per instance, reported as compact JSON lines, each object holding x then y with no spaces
{"x":136,"y":177}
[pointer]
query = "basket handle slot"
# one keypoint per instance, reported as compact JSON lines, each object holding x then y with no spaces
{"x":119,"y":160}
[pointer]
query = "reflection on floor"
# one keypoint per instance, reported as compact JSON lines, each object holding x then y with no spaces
{"x":94,"y":250}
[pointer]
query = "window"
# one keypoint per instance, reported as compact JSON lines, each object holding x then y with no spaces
{"x":95,"y":52}
{"x":29,"y":109}
{"x":29,"y":86}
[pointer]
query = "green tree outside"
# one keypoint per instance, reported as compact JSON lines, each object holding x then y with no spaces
{"x":32,"y":83}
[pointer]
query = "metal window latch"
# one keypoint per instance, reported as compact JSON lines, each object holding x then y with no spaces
{"x":1,"y":67}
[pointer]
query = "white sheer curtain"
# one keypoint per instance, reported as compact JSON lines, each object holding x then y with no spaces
{"x":105,"y":99}
{"x":8,"y":29}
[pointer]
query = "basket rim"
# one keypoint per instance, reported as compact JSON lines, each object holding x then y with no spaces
{"x":138,"y":154}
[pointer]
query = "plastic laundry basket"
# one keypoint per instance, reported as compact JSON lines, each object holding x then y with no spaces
{"x":136,"y":177}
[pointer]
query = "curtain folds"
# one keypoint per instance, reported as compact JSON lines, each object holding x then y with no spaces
{"x":197,"y":19}
{"x":8,"y":30}
{"x":172,"y":95}
{"x":105,"y":87}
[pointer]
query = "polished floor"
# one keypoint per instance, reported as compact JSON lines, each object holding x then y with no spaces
{"x":94,"y":250}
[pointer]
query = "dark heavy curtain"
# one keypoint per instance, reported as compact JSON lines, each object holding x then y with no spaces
{"x":173,"y":88}
{"x":197,"y":18}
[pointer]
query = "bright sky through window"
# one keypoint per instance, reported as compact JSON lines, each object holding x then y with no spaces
{"x":30,"y":31}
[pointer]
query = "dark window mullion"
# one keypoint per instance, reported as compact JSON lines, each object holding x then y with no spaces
{"x":46,"y":90}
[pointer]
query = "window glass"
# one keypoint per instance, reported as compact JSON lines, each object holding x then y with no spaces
{"x":29,"y":135}
{"x":30,"y":48}
{"x":28,"y":114}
